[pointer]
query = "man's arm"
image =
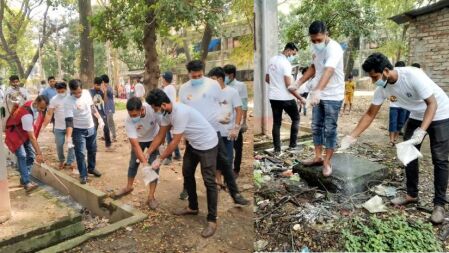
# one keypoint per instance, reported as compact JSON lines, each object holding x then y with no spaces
{"x":157,"y":141}
{"x":138,"y":150}
{"x":310,"y":72}
{"x":288,"y":82}
{"x":95,"y":112}
{"x":36,"y":147}
{"x":366,"y":120}
{"x":171,"y":146}
{"x":429,"y":114}
{"x":48,"y":117}
{"x":239,"y":114}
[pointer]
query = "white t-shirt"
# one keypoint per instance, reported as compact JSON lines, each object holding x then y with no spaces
{"x":139,"y":90}
{"x":205,"y":98}
{"x":80,"y":110}
{"x":170,"y":90}
{"x":410,"y":90}
{"x":27,"y":122}
{"x":22,"y":91}
{"x":331,"y":56}
{"x":279,"y":67}
{"x":147,"y":128}
{"x":195,"y":128}
{"x":240,"y":87}
{"x":57,"y":104}
{"x":127,"y":88}
{"x":231,"y":100}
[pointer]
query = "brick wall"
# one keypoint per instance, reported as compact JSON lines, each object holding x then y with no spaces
{"x":429,"y":45}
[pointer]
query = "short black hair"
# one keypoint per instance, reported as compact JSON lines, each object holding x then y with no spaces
{"x":416,"y":65}
{"x":291,"y":46}
{"x":51,"y":78}
{"x":376,"y":62}
{"x":399,"y":64}
{"x":195,"y":65}
{"x":230,"y":69}
{"x":133,"y":104}
{"x":61,"y":85}
{"x":157,"y":97}
{"x":350,"y":76}
{"x":41,"y":98}
{"x":217,"y":72}
{"x":316,"y":27}
{"x":304,"y":69}
{"x":105,"y":78}
{"x":13,"y":78}
{"x":74,"y":84}
{"x":98,"y":80}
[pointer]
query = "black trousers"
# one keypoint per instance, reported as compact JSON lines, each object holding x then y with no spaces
{"x":225,"y":167}
{"x":106,"y":131}
{"x":238,"y":147}
{"x":208,"y":163}
{"x":438,"y":132}
{"x":291,"y":108}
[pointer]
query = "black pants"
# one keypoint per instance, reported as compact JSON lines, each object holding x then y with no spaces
{"x":208,"y":162}
{"x":238,"y":147}
{"x":438,"y":132}
{"x":225,"y":167}
{"x":106,"y":132}
{"x":291,"y":108}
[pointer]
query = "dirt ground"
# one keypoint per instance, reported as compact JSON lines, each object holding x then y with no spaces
{"x":162,"y":231}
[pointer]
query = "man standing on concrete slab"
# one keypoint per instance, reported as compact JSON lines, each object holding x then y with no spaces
{"x":142,"y":125}
{"x":231,"y":81}
{"x":204,"y":95}
{"x":109,"y":107}
{"x":201,"y":147}
{"x":279,"y":78}
{"x":429,"y":107}
{"x":50,"y":91}
{"x":80,"y":125}
{"x":327,"y":94}
{"x":21,"y":133}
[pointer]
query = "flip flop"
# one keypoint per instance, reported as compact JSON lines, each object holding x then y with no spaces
{"x":121,"y":193}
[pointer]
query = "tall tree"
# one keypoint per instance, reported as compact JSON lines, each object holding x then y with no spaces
{"x":87,"y":63}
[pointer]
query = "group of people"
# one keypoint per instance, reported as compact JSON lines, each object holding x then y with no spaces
{"x":129,"y":90}
{"x":408,"y":88}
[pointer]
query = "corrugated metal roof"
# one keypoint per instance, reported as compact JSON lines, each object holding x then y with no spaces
{"x":410,"y":15}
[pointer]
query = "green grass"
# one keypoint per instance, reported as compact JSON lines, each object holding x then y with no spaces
{"x":120,"y":106}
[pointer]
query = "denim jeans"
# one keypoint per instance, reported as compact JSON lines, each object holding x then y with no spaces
{"x":25,"y":159}
{"x":134,"y":165}
{"x":398,"y":116}
{"x":291,"y":108}
{"x":438,"y":132}
{"x":106,"y":132}
{"x":168,"y":139}
{"x":225,"y":167}
{"x":229,"y":145}
{"x":238,"y":147}
{"x":324,"y":123}
{"x":85,"y":138}
{"x":111,"y":124}
{"x":60,"y":140}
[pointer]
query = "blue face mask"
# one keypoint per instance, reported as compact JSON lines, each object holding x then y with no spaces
{"x":135,"y":119}
{"x":290,"y":58}
{"x":319,"y":46}
{"x":381,"y":83}
{"x":227,"y":81}
{"x":197,"y":82}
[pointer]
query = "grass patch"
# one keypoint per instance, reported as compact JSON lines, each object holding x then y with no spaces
{"x":120,"y":106}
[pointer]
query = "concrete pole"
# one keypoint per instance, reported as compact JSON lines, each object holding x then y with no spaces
{"x":5,"y":204}
{"x":266,"y":41}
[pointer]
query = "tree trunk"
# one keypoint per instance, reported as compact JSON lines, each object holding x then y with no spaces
{"x":205,"y":41}
{"x":86,"y":44}
{"x":404,"y":33}
{"x":152,"y":71}
{"x":353,"y":47}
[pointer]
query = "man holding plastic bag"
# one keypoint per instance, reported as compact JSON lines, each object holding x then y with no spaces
{"x":429,"y":107}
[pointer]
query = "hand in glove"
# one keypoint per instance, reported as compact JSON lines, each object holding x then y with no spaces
{"x":244,"y":127}
{"x":70,"y":143}
{"x":418,"y":136}
{"x":234,"y":133}
{"x":156,"y":164}
{"x":347,"y":142}
{"x":100,"y":123}
{"x":315,"y":97}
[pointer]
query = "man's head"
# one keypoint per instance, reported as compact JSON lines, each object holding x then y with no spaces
{"x":195,"y":69}
{"x":318,"y":35}
{"x":399,"y":64}
{"x":167,"y":78}
{"x":14,"y":81}
{"x":378,"y":68}
{"x":51,"y":81}
{"x":290,"y":50}
{"x":135,"y":108}
{"x":105,"y":79}
{"x":217,"y":74}
{"x":230,"y":72}
{"x":41,"y":103}
{"x":416,"y":65}
{"x":61,"y":88}
{"x":159,"y":101}
{"x":350,"y":77}
{"x":97,"y":83}
{"x":76,"y":88}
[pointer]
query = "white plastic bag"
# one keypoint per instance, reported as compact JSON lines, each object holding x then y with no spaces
{"x":407,"y":152}
{"x":149,"y":175}
{"x":375,"y":205}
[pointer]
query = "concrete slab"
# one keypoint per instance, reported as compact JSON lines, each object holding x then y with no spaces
{"x":350,"y":175}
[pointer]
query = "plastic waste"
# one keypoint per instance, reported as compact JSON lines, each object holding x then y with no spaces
{"x":375,"y":205}
{"x":407,"y":152}
{"x":149,"y":175}
{"x":387,"y":191}
{"x":257,"y":177}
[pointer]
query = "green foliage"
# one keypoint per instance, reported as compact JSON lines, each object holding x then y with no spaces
{"x":119,"y":105}
{"x":394,"y":234}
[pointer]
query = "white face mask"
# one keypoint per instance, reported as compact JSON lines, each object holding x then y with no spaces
{"x":319,"y":46}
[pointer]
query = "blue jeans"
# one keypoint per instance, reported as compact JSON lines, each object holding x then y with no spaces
{"x":60,"y":140}
{"x":25,"y":159}
{"x":398,"y":116}
{"x":324,"y":123}
{"x":229,"y":149}
{"x":169,"y":138}
{"x":134,"y":165}
{"x":85,"y":138}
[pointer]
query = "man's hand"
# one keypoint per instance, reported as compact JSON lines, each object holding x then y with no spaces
{"x":315,"y":97}
{"x":100,"y":123}
{"x":418,"y":136}
{"x":40,"y":159}
{"x":302,"y":100}
{"x":347,"y":142}
{"x":244,"y":127}
{"x":156,"y":164}
{"x":69,"y":143}
{"x":234,"y":133}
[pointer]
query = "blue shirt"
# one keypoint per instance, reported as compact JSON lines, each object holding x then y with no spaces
{"x":49,"y":92}
{"x":109,"y":106}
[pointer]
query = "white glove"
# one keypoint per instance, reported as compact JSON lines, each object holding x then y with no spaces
{"x":315,"y":97}
{"x":156,"y":164}
{"x":244,"y":127}
{"x":234,"y":133}
{"x":70,"y":143}
{"x":418,"y":136}
{"x":347,"y":142}
{"x":100,"y":123}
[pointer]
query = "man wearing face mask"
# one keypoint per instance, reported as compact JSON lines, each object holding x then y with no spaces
{"x":279,"y":78}
{"x":205,"y":96}
{"x":56,"y":110}
{"x":429,"y":108}
{"x":142,"y":125}
{"x":326,"y":95}
{"x":21,"y":133}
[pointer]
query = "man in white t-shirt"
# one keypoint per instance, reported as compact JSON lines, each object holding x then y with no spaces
{"x":142,"y":125}
{"x":170,"y":90}
{"x":139,"y":90}
{"x":56,"y":110}
{"x":205,"y":95}
{"x":15,"y":95}
{"x":327,"y":94}
{"x":78,"y":108}
{"x":201,"y":147}
{"x":231,"y":107}
{"x":429,"y":114}
{"x":231,"y":80}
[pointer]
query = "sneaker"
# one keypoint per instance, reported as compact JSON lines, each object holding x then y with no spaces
{"x":83,"y":180}
{"x":30,"y":187}
{"x":183,"y":195}
{"x":166,"y":161}
{"x":239,"y":200}
{"x":95,"y":172}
